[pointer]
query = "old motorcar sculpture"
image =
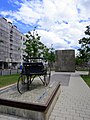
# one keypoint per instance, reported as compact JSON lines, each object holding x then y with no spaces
{"x":36,"y":67}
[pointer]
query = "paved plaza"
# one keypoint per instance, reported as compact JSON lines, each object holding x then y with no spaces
{"x":73,"y":102}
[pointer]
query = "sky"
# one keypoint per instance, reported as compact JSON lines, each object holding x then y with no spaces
{"x":60,"y":23}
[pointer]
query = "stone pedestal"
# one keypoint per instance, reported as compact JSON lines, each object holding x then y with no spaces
{"x":36,"y":104}
{"x":65,"y":61}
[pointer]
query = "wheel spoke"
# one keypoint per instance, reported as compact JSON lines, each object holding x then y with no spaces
{"x":22,"y":84}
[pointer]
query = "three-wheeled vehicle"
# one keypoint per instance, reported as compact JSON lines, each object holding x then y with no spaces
{"x":36,"y":67}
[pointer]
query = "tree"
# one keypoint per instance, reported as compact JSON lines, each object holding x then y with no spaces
{"x":51,"y":56}
{"x":35,"y":48}
{"x":84,"y":51}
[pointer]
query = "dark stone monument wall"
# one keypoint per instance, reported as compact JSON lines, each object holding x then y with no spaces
{"x":65,"y":61}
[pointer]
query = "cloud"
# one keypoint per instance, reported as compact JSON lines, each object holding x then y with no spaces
{"x":84,"y":7}
{"x":59,"y":22}
{"x":51,"y":38}
{"x":14,"y":2}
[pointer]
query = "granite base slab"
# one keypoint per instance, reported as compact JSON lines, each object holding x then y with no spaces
{"x":35,"y":104}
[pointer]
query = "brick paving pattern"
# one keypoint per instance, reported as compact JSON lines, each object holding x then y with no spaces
{"x":72,"y":104}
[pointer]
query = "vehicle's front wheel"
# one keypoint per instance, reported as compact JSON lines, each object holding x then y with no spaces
{"x":22,"y":84}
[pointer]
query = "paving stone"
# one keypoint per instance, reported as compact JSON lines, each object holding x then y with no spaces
{"x":85,"y":116}
{"x":73,"y":102}
{"x":60,"y":118}
{"x":86,"y":119}
{"x":74,"y":99}
{"x":78,"y":118}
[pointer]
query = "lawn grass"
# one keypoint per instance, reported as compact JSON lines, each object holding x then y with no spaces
{"x":86,"y":78}
{"x":8,"y":79}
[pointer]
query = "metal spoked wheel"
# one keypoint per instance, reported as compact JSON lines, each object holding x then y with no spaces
{"x":22,"y":84}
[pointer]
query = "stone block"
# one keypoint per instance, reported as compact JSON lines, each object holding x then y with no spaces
{"x":32,"y":104}
{"x":65,"y":61}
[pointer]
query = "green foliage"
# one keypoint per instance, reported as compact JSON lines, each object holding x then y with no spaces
{"x":8,"y":79}
{"x":51,"y":56}
{"x":35,"y":48}
{"x":84,"y":51}
{"x":87,"y":32}
{"x":33,"y":45}
{"x":86,"y":78}
{"x":79,"y":61}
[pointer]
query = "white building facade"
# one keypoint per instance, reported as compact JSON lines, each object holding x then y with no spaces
{"x":11,"y":44}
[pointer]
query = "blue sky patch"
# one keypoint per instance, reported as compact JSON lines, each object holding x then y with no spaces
{"x":84,"y":20}
{"x":56,"y":20}
{"x":6,"y":5}
{"x":67,"y":41}
{"x":65,"y":22}
{"x":78,"y":10}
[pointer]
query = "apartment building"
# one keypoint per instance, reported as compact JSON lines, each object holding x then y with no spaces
{"x":11,"y":44}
